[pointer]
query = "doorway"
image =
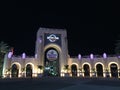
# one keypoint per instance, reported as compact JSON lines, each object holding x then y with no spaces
{"x":29,"y":70}
{"x":15,"y":70}
{"x":74,"y":70}
{"x":114,"y":70}
{"x":51,"y":62}
{"x":99,"y":70}
{"x":86,"y":70}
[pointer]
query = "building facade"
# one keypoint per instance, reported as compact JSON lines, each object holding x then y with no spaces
{"x":51,"y":59}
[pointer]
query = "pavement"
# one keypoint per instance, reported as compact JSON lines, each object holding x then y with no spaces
{"x":60,"y":83}
{"x":95,"y":84}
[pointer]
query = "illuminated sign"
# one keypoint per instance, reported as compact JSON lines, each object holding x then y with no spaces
{"x":52,"y":55}
{"x":52,"y":38}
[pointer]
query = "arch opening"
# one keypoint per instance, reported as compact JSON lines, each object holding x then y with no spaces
{"x":99,"y":69}
{"x":86,"y":70}
{"x":51,"y":62}
{"x":74,"y":70}
{"x":15,"y":70}
{"x":114,"y":70}
{"x":29,"y":70}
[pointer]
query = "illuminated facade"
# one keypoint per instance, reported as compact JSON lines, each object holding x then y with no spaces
{"x":52,"y":59}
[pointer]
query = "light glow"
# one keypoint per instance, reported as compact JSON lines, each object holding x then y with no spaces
{"x":91,"y":56}
{"x":23,"y":56}
{"x":79,"y":56}
{"x":35,"y":55}
{"x":10,"y":54}
{"x":104,"y":55}
{"x":40,"y":40}
{"x":52,"y":38}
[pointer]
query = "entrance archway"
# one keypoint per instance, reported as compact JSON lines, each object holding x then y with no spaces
{"x":114,"y":70}
{"x":86,"y":70}
{"x":15,"y":70}
{"x":29,"y":70}
{"x":99,"y":69}
{"x":51,"y":62}
{"x":74,"y":70}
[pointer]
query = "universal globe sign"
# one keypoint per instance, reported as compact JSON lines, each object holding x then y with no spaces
{"x":52,"y":38}
{"x":52,"y":55}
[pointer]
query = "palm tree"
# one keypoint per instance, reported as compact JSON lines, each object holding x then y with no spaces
{"x":23,"y":69}
{"x":40,"y":67}
{"x":66,"y":67}
{"x":4,"y":48}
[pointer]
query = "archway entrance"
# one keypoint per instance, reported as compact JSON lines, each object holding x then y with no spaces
{"x":114,"y":70}
{"x":28,"y":70}
{"x":15,"y":70}
{"x":99,"y":70}
{"x":74,"y":70}
{"x":51,"y":62}
{"x":86,"y":70}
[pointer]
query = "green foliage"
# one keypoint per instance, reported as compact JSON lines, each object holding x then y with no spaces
{"x":80,"y":69}
{"x":40,"y":67}
{"x":66,"y":67}
{"x":106,"y":69}
{"x":4,"y":48}
{"x":23,"y":69}
{"x":93,"y":69}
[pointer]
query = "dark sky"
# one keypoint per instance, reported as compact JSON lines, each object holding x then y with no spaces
{"x":92,"y":27}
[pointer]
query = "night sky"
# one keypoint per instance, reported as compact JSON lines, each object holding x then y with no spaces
{"x":92,"y":27}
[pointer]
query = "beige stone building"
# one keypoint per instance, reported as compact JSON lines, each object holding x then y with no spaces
{"x":52,"y":59}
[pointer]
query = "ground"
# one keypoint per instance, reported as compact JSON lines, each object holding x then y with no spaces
{"x":58,"y":83}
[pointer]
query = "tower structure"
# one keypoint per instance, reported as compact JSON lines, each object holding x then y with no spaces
{"x":51,"y":49}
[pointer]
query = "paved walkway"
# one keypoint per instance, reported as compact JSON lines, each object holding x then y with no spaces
{"x":88,"y":87}
{"x":96,"y":84}
{"x":57,"y":83}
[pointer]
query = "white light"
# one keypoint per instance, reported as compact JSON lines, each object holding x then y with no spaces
{"x":23,"y":55}
{"x":35,"y":55}
{"x":104,"y":55}
{"x":91,"y":56}
{"x":10,"y":54}
{"x":118,"y":56}
{"x":79,"y":56}
{"x":40,"y":39}
{"x":52,"y":38}
{"x":47,"y":68}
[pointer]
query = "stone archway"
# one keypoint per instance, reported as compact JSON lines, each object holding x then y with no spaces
{"x":99,"y":69}
{"x":86,"y":69}
{"x":15,"y":70}
{"x":114,"y":70}
{"x":51,"y":62}
{"x":29,"y":70}
{"x":74,"y":70}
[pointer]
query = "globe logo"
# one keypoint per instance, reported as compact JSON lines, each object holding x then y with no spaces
{"x":52,"y":38}
{"x":52,"y":55}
